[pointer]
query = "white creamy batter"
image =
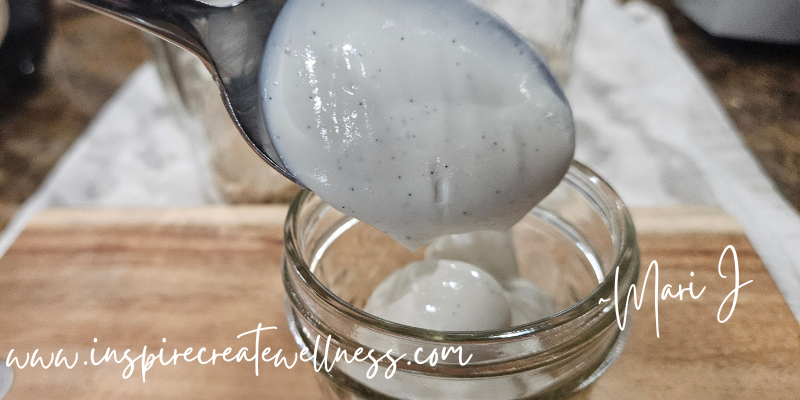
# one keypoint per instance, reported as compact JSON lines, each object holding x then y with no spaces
{"x":421,"y":118}
{"x":442,"y":295}
{"x":477,"y":289}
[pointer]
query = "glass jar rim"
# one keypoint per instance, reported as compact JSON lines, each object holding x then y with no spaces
{"x":578,"y":177}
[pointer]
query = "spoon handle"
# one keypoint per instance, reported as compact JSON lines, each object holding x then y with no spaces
{"x":172,"y":20}
{"x":230,"y":42}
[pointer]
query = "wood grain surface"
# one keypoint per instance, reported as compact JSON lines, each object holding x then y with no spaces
{"x":200,"y":277}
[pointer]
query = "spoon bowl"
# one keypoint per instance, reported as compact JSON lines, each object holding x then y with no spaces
{"x":229,"y":40}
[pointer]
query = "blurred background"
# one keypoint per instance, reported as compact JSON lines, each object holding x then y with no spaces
{"x":66,"y":62}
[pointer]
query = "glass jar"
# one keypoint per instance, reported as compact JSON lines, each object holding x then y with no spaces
{"x":571,"y":245}
{"x":230,"y":171}
{"x":551,"y":25}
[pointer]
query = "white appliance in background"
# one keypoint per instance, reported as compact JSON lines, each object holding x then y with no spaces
{"x":776,"y":21}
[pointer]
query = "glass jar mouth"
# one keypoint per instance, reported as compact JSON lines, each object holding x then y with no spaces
{"x":580,"y":178}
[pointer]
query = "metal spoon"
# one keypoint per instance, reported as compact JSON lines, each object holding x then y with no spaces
{"x":229,"y":40}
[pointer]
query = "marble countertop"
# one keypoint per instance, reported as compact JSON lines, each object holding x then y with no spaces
{"x":90,"y":56}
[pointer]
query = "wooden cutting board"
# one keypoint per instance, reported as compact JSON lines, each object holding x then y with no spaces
{"x":200,"y":277}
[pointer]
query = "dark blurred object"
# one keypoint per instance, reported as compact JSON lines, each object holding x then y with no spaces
{"x":88,"y":58}
{"x":23,"y":49}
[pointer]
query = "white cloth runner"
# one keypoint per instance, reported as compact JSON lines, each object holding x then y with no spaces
{"x":646,"y":120}
{"x":649,"y":124}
